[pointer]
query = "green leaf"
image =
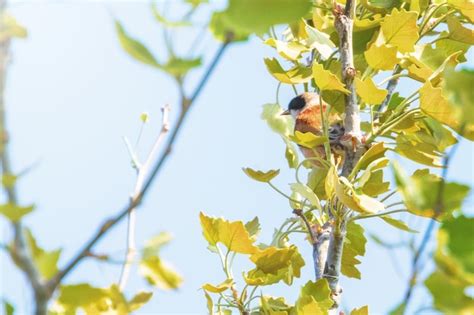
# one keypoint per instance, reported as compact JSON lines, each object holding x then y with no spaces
{"x":418,"y":150}
{"x":134,"y":48}
{"x":368,"y":92}
{"x":80,"y":295}
{"x":223,"y":31}
{"x":274,"y":264}
{"x":457,"y":229}
{"x":288,"y":50}
{"x":8,"y":308}
{"x":178,"y":67}
{"x":400,"y":29}
{"x":159,"y":274}
{"x":364,"y":310}
{"x":458,"y":32}
{"x":258,"y":16}
{"x":308,"y":139}
{"x":139,"y":300}
{"x":325,"y":80}
{"x":354,"y":245}
{"x":375,"y":152}
{"x":291,"y":155}
{"x":233,"y":235}
{"x":307,"y":193}
{"x":9,"y":180}
{"x":295,"y":75}
{"x":281,"y":124}
{"x":253,"y":228}
{"x":220,"y":287}
{"x":420,"y":193}
{"x":381,"y":57}
{"x":375,"y":184}
{"x":260,"y":176}
{"x":45,"y":261}
{"x":315,"y":296}
{"x":274,"y":306}
{"x":165,"y":22}
{"x":398,"y":224}
{"x":14,"y":212}
{"x":316,"y":181}
{"x":319,"y":41}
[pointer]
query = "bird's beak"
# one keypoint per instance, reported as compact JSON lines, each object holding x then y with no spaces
{"x":286,"y":112}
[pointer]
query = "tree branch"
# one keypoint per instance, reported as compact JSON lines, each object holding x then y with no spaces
{"x":108,"y":224}
{"x":19,"y":251}
{"x":143,"y":171}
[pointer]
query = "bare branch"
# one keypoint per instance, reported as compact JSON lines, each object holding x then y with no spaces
{"x":108,"y":224}
{"x":143,"y":171}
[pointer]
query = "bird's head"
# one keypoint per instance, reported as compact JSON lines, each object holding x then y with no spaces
{"x":300,"y":103}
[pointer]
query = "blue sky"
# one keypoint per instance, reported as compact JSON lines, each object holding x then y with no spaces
{"x":72,"y":94}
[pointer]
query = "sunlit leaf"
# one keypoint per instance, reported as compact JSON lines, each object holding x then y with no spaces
{"x":325,"y":80}
{"x":261,"y":176}
{"x":308,"y":139}
{"x":165,"y":22}
{"x":288,"y":50}
{"x":399,"y":29}
{"x":159,"y":274}
{"x":369,"y":92}
{"x":295,"y":75}
{"x":364,"y":310}
{"x":10,"y":28}
{"x":319,"y":41}
{"x":316,"y":181}
{"x":291,"y":155}
{"x":179,"y":67}
{"x":233,"y":235}
{"x":14,"y":212}
{"x":153,"y":245}
{"x":218,"y":288}
{"x":45,"y":261}
{"x":397,"y":223}
{"x":381,"y":57}
{"x":274,"y":306}
{"x":457,"y":229}
{"x":9,"y":180}
{"x":253,"y":227}
{"x":354,"y":245}
{"x":314,"y":297}
{"x":466,"y":7}
{"x":281,"y":124}
{"x":139,"y":300}
{"x":458,"y":32}
{"x":356,"y":201}
{"x":307,"y":193}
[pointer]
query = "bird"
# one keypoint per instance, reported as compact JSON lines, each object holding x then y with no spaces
{"x":306,"y":112}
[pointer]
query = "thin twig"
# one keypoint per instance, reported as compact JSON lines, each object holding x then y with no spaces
{"x":19,"y":251}
{"x":108,"y":224}
{"x":142,"y":173}
{"x":439,"y":205}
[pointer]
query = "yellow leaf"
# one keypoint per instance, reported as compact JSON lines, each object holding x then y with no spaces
{"x":233,"y":235}
{"x":373,"y":153}
{"x":400,"y":29}
{"x":308,"y":139}
{"x":218,"y":288}
{"x":260,"y":176}
{"x":364,"y":310}
{"x":14,"y":212}
{"x":160,"y":274}
{"x":381,"y":57}
{"x":288,"y":50}
{"x":295,"y":75}
{"x":434,"y":104}
{"x":357,"y":202}
{"x":325,"y":80}
{"x":458,"y":32}
{"x":10,"y":28}
{"x":369,"y":92}
{"x":466,"y":7}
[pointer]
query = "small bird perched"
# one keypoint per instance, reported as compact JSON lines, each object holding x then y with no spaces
{"x":306,"y":110}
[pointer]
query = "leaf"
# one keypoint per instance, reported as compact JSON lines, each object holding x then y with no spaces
{"x":10,"y":28}
{"x":307,"y":193}
{"x":308,"y":139}
{"x":274,"y":264}
{"x":420,"y":193}
{"x":134,"y":48}
{"x":220,"y":287}
{"x":463,"y":251}
{"x":325,"y":80}
{"x":288,"y":50}
{"x":465,"y":7}
{"x":14,"y":212}
{"x":223,"y":31}
{"x":45,"y":261}
{"x":274,"y":306}
{"x":154,"y":245}
{"x":316,"y":181}
{"x":398,"y":224}
{"x":369,"y":92}
{"x":139,"y":300}
{"x":434,"y":104}
{"x":375,"y":152}
{"x":178,"y":67}
{"x":291,"y":155}
{"x":281,"y":124}
{"x":165,"y":22}
{"x":260,"y":176}
{"x":364,"y":310}
{"x":458,"y":32}
{"x":80,"y":295}
{"x":159,"y":274}
{"x":381,"y":57}
{"x":295,"y":75}
{"x":233,"y":235}
{"x":354,"y":245}
{"x":374,"y":185}
{"x":319,"y":41}
{"x":253,"y":227}
{"x":400,"y":29}
{"x":258,"y":16}
{"x":8,"y":308}
{"x":357,"y":202}
{"x":209,"y":303}
{"x":9,"y":180}
{"x":314,"y":296}
{"x":419,"y":151}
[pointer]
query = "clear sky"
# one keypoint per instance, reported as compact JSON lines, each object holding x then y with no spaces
{"x":72,"y":93}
